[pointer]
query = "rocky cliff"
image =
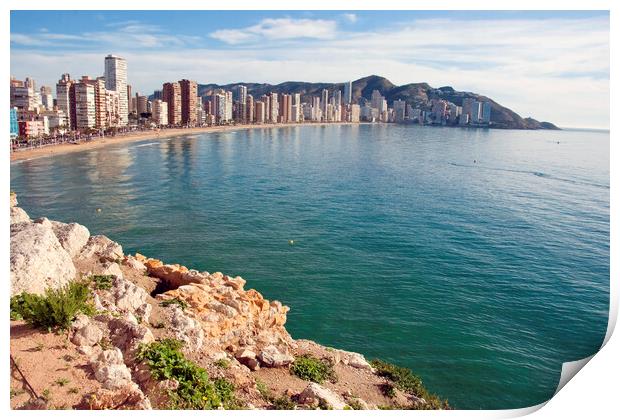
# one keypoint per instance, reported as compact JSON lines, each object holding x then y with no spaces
{"x":235,"y":350}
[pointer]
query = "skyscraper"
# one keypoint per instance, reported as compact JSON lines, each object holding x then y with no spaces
{"x":63,"y":97}
{"x":348,"y":92}
{"x":324,"y":103}
{"x":189,"y":102}
{"x":85,"y":105}
{"x":116,"y":79}
{"x":171,"y":94}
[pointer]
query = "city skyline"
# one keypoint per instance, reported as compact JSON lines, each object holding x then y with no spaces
{"x":566,"y":82}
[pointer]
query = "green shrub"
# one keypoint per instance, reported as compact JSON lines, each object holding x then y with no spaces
{"x":312,"y":369}
{"x":406,"y":381}
{"x":102,"y":281}
{"x":283,"y":403}
{"x":195,"y":391}
{"x":54,"y":310}
{"x":174,"y":301}
{"x":354,"y":404}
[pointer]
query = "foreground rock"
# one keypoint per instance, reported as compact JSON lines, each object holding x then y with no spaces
{"x":38,"y":261}
{"x":316,"y":394}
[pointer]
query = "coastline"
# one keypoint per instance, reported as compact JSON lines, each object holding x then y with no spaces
{"x":61,"y":149}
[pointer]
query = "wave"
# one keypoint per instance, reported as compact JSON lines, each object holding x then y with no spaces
{"x":535,"y":173}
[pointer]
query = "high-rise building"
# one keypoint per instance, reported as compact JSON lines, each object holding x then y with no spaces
{"x":285,"y":104}
{"x":348,"y":92}
{"x":142,"y":105}
{"x":85,"y":105}
{"x":273,"y":107}
{"x":486,"y":113}
{"x":99,"y":91}
{"x":47,"y":100}
{"x":189,"y":102}
{"x":259,"y":112}
{"x":249,"y":109}
{"x":324,"y":103}
{"x":240,"y":93}
{"x":13,"y":123}
{"x":172,"y":96}
{"x":116,"y":79}
{"x":159,"y":112}
{"x":399,"y":110}
{"x":63,"y":97}
{"x":354,"y":113}
{"x":375,"y":99}
{"x":476,"y":112}
{"x":22,"y":95}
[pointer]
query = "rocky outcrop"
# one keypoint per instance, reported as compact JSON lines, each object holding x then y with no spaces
{"x":38,"y":261}
{"x":19,"y":215}
{"x":110,"y":369}
{"x":72,"y":236}
{"x":102,"y":247}
{"x":270,"y":356}
{"x":316,"y":394}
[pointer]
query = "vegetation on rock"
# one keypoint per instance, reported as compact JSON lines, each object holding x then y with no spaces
{"x":195,"y":389}
{"x":312,"y":369}
{"x":56,"y":309}
{"x":406,"y":381}
{"x":102,"y":281}
{"x":174,"y":301}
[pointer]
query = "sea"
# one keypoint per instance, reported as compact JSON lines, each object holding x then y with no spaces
{"x":478,"y":258}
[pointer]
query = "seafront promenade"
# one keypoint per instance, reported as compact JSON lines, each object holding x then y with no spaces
{"x":98,"y":142}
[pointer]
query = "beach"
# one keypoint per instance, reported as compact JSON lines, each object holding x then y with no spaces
{"x":60,"y":149}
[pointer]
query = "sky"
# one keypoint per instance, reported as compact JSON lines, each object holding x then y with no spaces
{"x":552,"y":66}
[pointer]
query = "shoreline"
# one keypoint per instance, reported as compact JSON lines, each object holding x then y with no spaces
{"x":61,"y":149}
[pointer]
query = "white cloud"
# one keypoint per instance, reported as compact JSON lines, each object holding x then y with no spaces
{"x":350,"y":17}
{"x":278,"y":29}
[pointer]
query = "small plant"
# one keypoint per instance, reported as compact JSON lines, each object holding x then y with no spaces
{"x":102,"y":281}
{"x":73,"y":390}
{"x":283,"y":403}
{"x":158,"y":325}
{"x":38,"y":347}
{"x":355,"y":404}
{"x":196,"y":390}
{"x":263,"y":390}
{"x":61,"y":381}
{"x":16,"y":392}
{"x":46,"y":394}
{"x":388,"y":390}
{"x":174,"y":301}
{"x":105,"y":344}
{"x":68,"y":358}
{"x":223,"y":363}
{"x":406,"y":381}
{"x":312,"y":369}
{"x":54,"y":310}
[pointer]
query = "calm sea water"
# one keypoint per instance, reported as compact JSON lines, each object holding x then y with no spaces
{"x":478,"y":258}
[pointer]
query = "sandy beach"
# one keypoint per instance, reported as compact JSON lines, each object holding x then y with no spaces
{"x":61,"y":149}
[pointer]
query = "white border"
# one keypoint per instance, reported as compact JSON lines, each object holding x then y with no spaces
{"x":592,"y":394}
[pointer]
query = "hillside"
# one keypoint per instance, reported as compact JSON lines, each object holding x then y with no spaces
{"x":416,"y":94}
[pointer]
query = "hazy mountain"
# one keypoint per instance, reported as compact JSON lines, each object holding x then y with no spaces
{"x":416,"y":94}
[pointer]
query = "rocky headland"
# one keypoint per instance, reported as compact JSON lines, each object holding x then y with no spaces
{"x":152,"y":335}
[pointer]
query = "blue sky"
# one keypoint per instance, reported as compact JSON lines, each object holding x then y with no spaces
{"x":550,"y":65}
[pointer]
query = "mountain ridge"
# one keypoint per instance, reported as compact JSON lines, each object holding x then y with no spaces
{"x":416,"y":94}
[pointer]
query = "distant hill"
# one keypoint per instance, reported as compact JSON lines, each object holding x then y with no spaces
{"x":416,"y":94}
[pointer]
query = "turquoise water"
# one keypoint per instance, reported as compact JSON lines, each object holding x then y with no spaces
{"x":478,"y":258}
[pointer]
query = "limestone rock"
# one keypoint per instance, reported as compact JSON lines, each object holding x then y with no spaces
{"x":144,"y":312}
{"x":13,"y":199}
{"x":101,"y":247}
{"x":270,"y":356}
{"x":88,"y":335}
{"x":355,"y":360}
{"x":109,"y":268}
{"x":19,"y":215}
{"x":72,"y":236}
{"x":38,"y":261}
{"x":110,"y":369}
{"x":133,"y":262}
{"x":128,"y":296}
{"x":186,"y":329}
{"x":127,"y":335}
{"x":127,"y":397}
{"x":248,"y":358}
{"x":315,"y":393}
